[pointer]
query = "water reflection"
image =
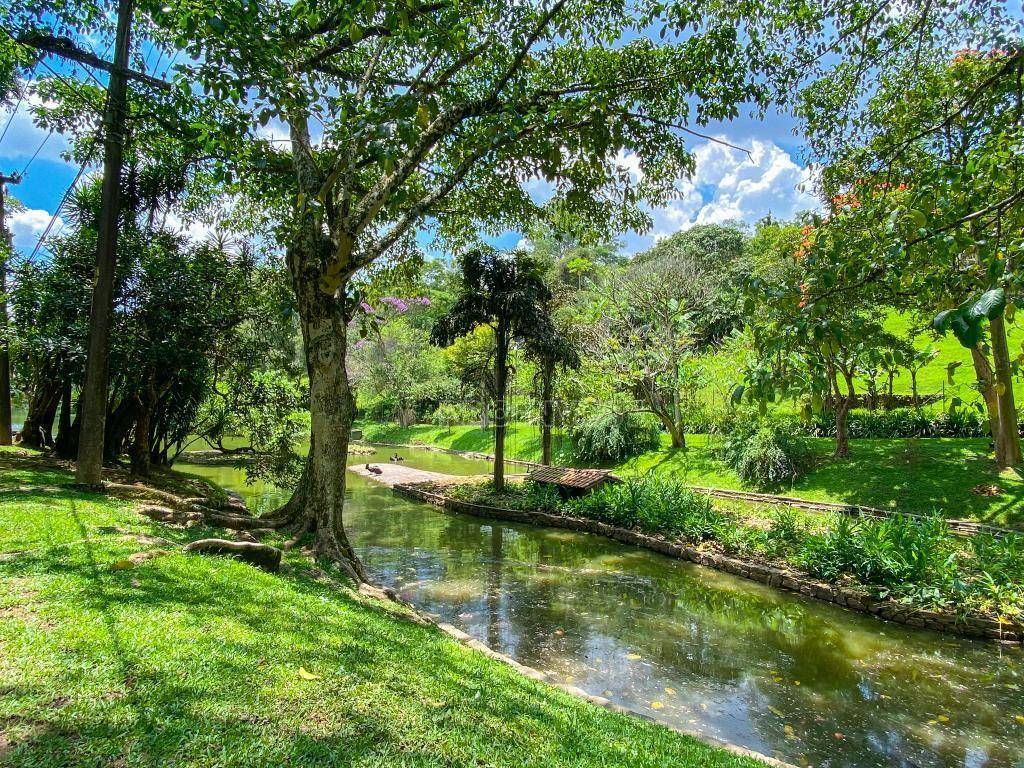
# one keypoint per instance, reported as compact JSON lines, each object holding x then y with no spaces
{"x":781,"y":674}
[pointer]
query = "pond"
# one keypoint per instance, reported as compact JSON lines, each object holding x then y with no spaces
{"x":787,"y":676}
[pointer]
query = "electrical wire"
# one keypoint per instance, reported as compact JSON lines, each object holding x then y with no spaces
{"x":11,"y":118}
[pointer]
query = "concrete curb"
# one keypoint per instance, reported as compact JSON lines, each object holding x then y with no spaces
{"x":536,"y":675}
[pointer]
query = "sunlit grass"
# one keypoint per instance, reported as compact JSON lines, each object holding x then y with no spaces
{"x":195,"y":661}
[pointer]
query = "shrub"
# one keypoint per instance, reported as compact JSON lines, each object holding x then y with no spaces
{"x":765,"y":456}
{"x":450,"y":414}
{"x":609,"y":437}
{"x":653,"y":504}
{"x":904,"y":422}
{"x":541,"y":497}
{"x":899,"y":554}
{"x":861,"y":423}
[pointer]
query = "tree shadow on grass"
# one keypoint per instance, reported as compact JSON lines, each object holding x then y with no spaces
{"x":188,"y":660}
{"x":921,"y":475}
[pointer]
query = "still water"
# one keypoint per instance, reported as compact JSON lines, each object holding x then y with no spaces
{"x":804,"y":681}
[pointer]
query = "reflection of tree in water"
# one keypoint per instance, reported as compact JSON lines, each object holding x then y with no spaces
{"x":701,"y":631}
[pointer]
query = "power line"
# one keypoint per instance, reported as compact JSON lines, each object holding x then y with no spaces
{"x":36,"y":153}
{"x":56,"y":213}
{"x":10,"y":119}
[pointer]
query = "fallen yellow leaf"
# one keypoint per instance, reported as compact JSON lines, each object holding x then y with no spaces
{"x":1020,"y":719}
{"x":633,"y":656}
{"x":788,"y":730}
{"x":670,"y":691}
{"x":942,"y":719}
{"x":307,"y":675}
{"x":122,"y":565}
{"x":657,"y":705}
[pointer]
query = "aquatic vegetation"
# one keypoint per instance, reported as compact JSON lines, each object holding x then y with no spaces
{"x":653,"y":504}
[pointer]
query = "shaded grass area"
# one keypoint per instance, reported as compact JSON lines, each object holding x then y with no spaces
{"x":196,"y":661}
{"x":910,"y":475}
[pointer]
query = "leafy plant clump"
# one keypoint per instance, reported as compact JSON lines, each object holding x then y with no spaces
{"x":766,"y":456}
{"x":610,"y":437}
{"x":653,"y":504}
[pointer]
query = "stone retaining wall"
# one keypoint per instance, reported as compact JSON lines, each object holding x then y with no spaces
{"x":782,"y":578}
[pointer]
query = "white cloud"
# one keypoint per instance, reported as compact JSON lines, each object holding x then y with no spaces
{"x":275,"y":130}
{"x":23,"y":137}
{"x":28,"y":224}
{"x":727,"y":185}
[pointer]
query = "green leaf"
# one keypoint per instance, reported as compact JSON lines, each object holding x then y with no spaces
{"x":423,"y":116}
{"x":990,"y":305}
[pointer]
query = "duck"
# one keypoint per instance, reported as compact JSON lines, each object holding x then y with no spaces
{"x":396,"y":457}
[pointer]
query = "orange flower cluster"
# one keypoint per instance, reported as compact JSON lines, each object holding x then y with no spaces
{"x":805,"y":243}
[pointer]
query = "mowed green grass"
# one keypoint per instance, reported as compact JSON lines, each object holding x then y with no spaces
{"x":191,"y":661}
{"x":913,"y":475}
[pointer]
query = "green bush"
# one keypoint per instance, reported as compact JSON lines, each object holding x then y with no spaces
{"x":861,"y":423}
{"x":609,"y":437}
{"x":899,"y":554}
{"x":450,"y":414}
{"x":653,"y":504}
{"x":765,"y":456}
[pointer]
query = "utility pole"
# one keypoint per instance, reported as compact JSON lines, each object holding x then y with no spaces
{"x":93,"y":415}
{"x":5,"y":356}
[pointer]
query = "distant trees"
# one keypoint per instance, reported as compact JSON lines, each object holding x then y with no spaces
{"x":176,"y":304}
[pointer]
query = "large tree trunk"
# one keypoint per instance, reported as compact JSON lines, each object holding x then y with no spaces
{"x":675,"y":432}
{"x":141,"y":448}
{"x":65,"y":444}
{"x":1008,"y":451}
{"x":547,"y":411}
{"x":319,"y":502}
{"x":501,"y":340}
{"x":37,"y":430}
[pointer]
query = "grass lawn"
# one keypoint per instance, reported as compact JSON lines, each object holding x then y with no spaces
{"x":913,"y":475}
{"x":191,"y":661}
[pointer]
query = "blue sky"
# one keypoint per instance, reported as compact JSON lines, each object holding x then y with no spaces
{"x":726,"y":186}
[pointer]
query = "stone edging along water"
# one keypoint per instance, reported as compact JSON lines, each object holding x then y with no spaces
{"x":781,"y":578}
{"x":542,"y":677}
{"x":956,"y":527}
